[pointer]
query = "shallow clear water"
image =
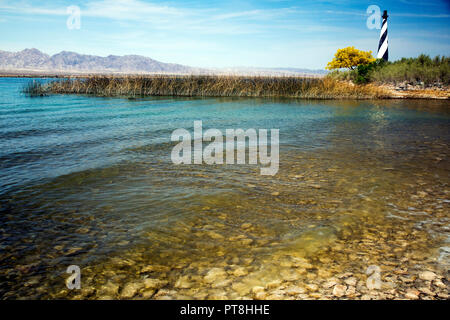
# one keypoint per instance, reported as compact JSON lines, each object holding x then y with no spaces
{"x":89,"y":181}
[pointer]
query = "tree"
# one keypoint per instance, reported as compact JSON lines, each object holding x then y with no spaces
{"x":350,"y":57}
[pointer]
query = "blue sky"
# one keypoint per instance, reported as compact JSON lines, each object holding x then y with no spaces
{"x":269,"y":33}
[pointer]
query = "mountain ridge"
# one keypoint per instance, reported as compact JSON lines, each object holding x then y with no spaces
{"x":69,"y":62}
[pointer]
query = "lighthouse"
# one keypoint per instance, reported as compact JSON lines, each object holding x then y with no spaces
{"x":383,"y":44}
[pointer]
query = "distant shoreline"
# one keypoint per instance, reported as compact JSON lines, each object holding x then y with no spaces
{"x":12,"y":74}
{"x":4,"y":74}
{"x":303,"y":87}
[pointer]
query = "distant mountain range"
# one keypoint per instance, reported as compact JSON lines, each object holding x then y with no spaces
{"x":34,"y":61}
{"x":72,"y":62}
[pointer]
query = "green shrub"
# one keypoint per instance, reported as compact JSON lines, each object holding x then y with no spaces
{"x":360,"y":75}
{"x":364,"y":71}
{"x":422,"y":69}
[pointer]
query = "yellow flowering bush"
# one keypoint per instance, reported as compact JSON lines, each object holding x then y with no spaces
{"x":350,"y":58}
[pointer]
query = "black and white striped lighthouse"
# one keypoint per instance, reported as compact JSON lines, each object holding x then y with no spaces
{"x":383,"y":44}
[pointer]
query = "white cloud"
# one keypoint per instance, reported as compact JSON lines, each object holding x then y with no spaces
{"x":161,"y":17}
{"x":421,"y":15}
{"x":131,"y":10}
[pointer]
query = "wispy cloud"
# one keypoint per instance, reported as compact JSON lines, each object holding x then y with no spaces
{"x":420,"y":3}
{"x":141,"y":11}
{"x":163,"y":17}
{"x":269,"y":32}
{"x":131,"y":10}
{"x":421,"y":15}
{"x":112,"y":9}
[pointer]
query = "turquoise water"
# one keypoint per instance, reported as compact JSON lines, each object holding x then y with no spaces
{"x":87,"y":179}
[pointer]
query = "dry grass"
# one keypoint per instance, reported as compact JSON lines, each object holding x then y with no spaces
{"x":215,"y":86}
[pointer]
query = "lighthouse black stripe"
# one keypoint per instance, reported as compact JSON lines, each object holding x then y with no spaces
{"x":383,"y":37}
{"x":383,"y":29}
{"x":386,"y":55}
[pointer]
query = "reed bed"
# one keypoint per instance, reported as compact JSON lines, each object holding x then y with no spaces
{"x":213,"y":86}
{"x":35,"y":88}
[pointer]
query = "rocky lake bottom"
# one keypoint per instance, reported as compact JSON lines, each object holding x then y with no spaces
{"x":359,"y":208}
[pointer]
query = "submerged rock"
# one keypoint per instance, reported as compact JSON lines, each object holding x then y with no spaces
{"x":241,"y":288}
{"x":147,"y":294}
{"x":339,"y":290}
{"x":312,"y":287}
{"x":260,"y":295}
{"x":257,"y":289}
{"x":109,"y":289}
{"x":412,"y":294}
{"x":150,"y":283}
{"x":221,"y":283}
{"x":214,"y":274}
{"x":246,"y":226}
{"x":351,"y":281}
{"x":273,"y":284}
{"x":155,"y":268}
{"x":295,"y":290}
{"x":240,"y":271}
{"x":130,"y":290}
{"x":427,"y":275}
{"x":183,"y":282}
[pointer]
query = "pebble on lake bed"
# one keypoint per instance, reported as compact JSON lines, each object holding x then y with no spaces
{"x":427,"y":275}
{"x":130,"y":290}
{"x":240,"y":271}
{"x":339,"y":290}
{"x":154,"y":283}
{"x":412,"y":294}
{"x":214,"y":274}
{"x":246,"y":226}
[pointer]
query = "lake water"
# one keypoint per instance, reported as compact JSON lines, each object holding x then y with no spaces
{"x":88,"y":181}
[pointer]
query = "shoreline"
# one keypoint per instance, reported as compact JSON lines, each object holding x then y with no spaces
{"x":323,"y":88}
{"x":183,"y":85}
{"x":428,"y":93}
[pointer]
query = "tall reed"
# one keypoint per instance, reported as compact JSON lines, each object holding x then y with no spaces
{"x":35,"y":89}
{"x":215,"y":86}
